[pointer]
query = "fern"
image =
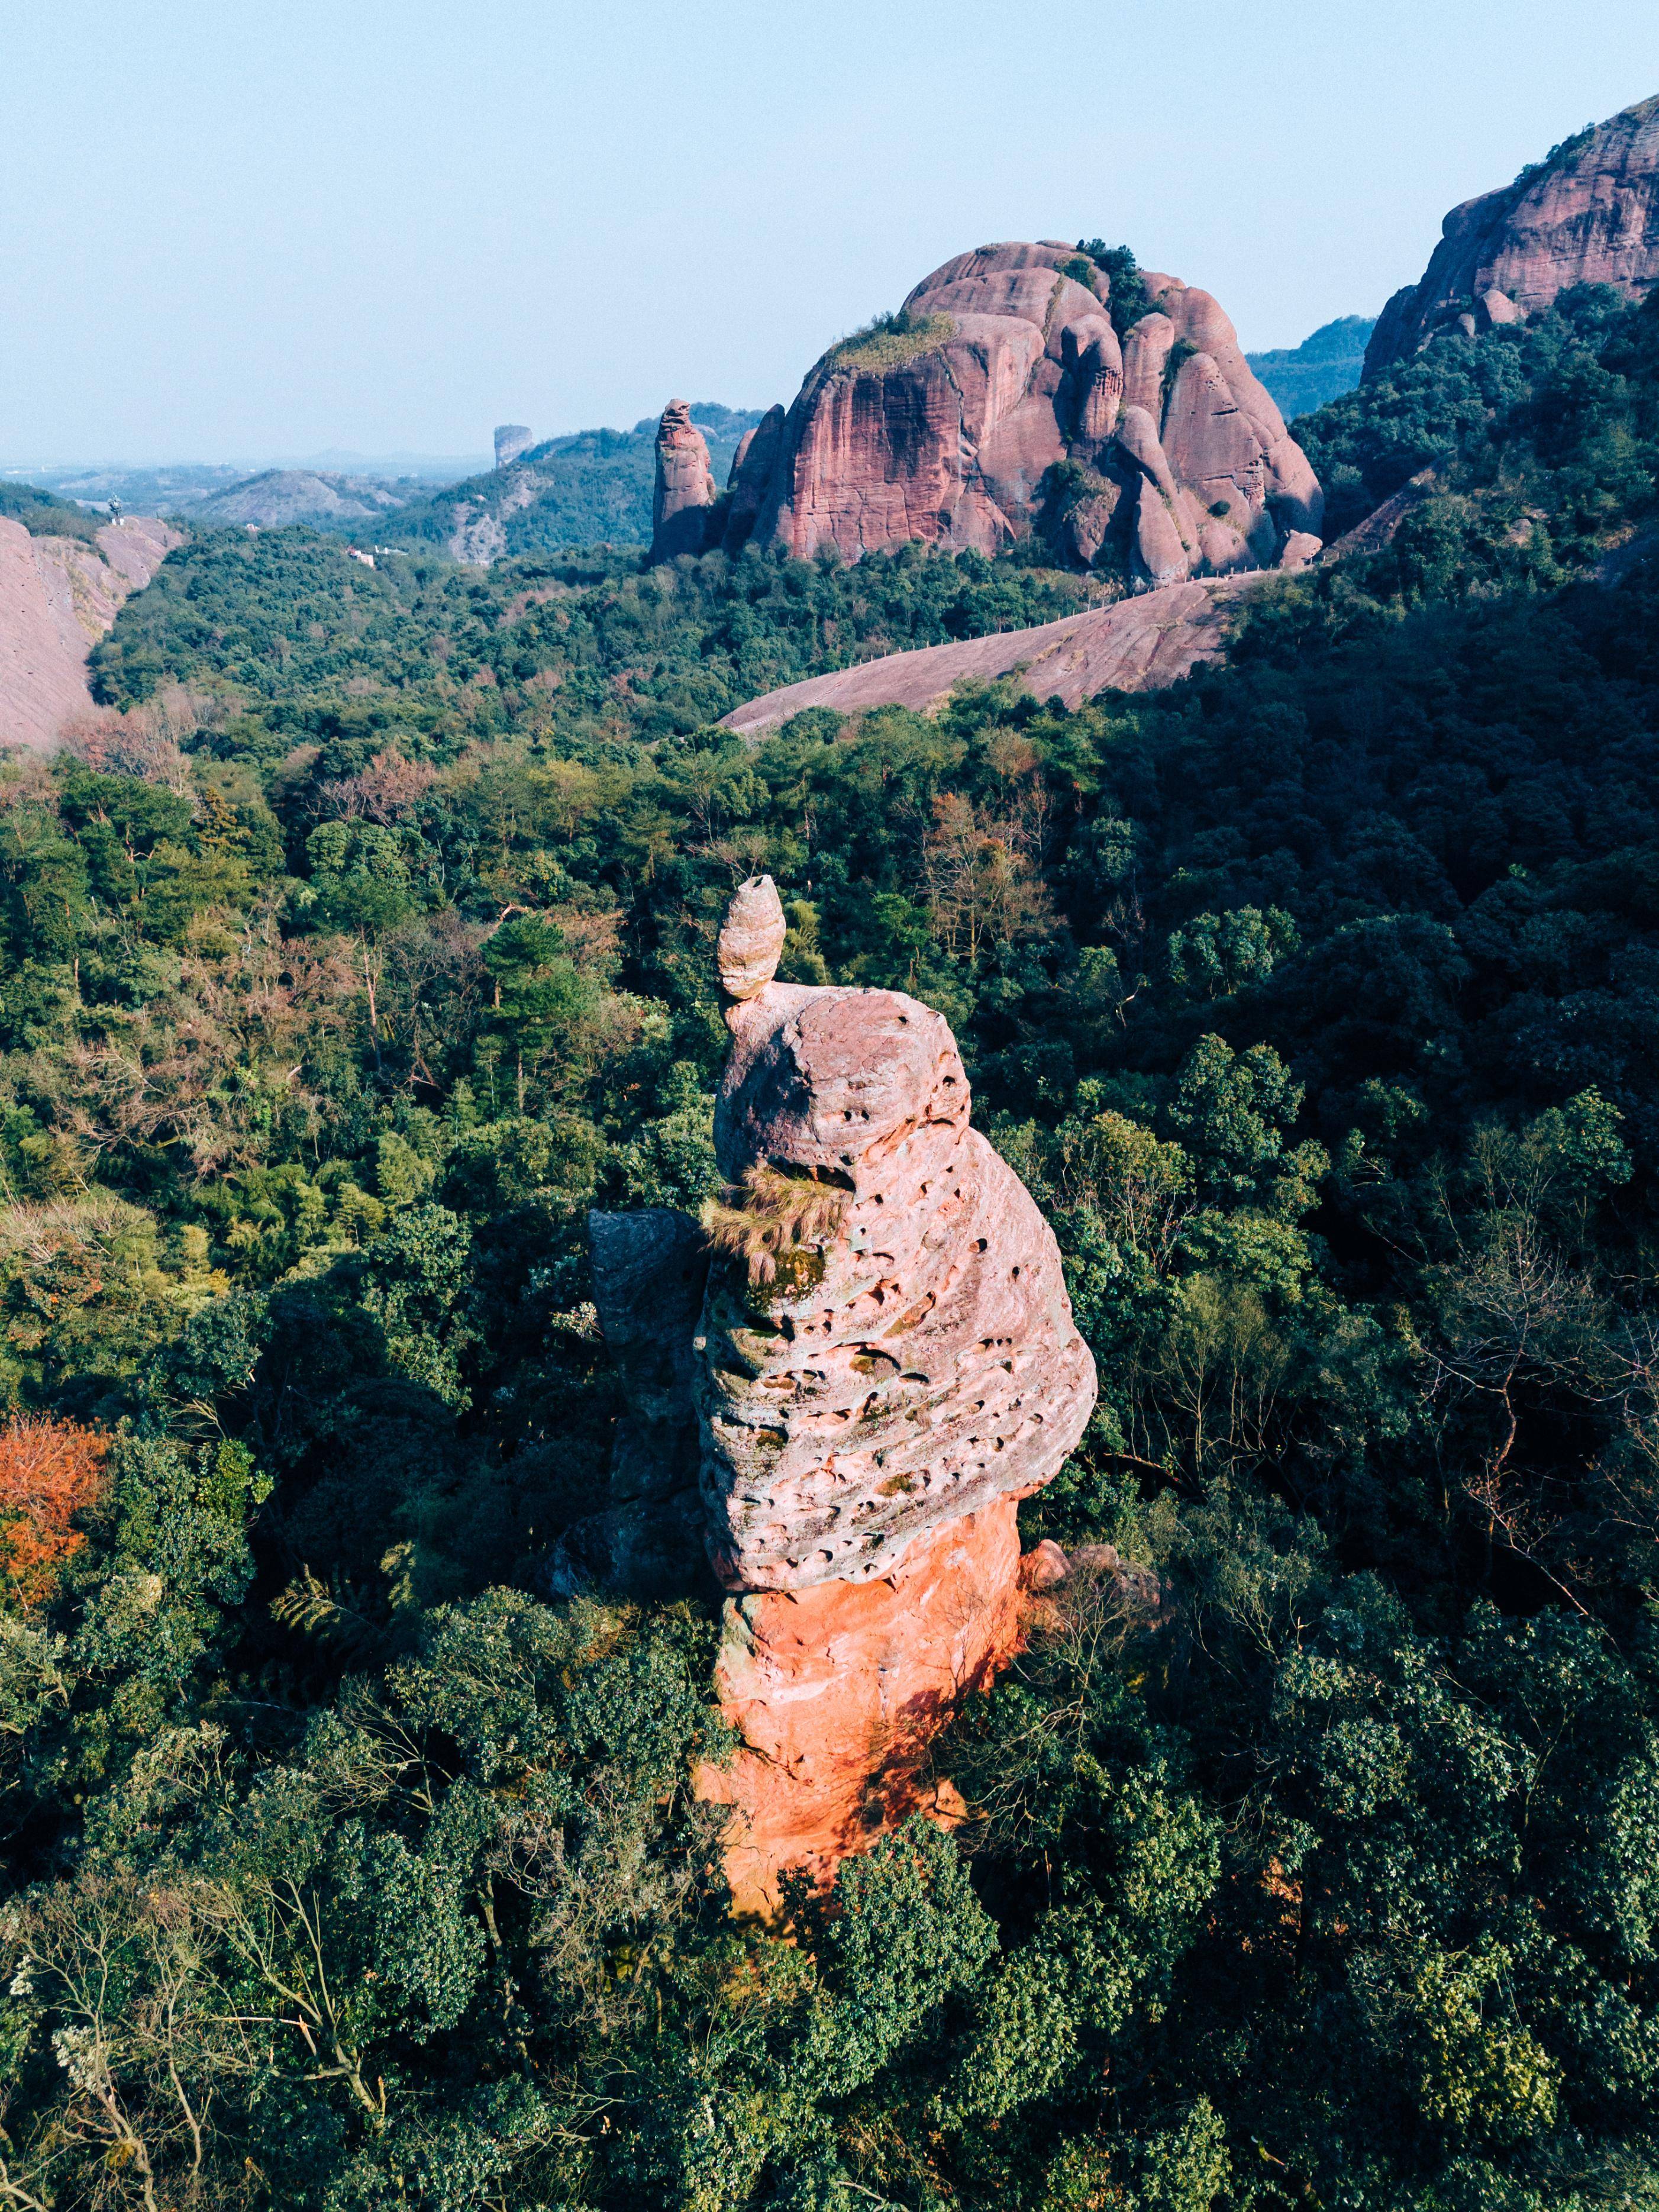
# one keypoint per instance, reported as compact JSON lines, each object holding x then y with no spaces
{"x":335,"y":1613}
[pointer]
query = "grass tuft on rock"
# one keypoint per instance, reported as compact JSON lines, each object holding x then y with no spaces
{"x":891,"y":341}
{"x":772,"y":1216}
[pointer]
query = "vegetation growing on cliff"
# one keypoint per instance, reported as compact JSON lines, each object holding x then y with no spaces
{"x":1543,"y":437}
{"x":1129,"y":300}
{"x":1313,"y":1863}
{"x":890,"y":340}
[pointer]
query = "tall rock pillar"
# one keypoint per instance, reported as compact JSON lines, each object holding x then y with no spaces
{"x":685,"y":485}
{"x":886,"y":1362}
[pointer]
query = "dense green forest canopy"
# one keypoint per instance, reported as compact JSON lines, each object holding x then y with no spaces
{"x":1542,"y":434}
{"x":1311,"y":1863}
{"x":588,"y":650}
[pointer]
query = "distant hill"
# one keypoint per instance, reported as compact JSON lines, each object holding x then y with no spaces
{"x":184,"y":487}
{"x":173,"y":488}
{"x":280,"y":497}
{"x":592,"y":488}
{"x":41,"y":513}
{"x":1323,"y":367}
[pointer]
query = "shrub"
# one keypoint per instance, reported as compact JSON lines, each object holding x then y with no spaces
{"x":1130,"y":299}
{"x":50,"y":1471}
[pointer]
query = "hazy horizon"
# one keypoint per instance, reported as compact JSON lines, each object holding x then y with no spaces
{"x":383,"y":231}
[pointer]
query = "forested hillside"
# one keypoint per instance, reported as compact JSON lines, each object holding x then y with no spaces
{"x":287,"y":630}
{"x":589,"y":487}
{"x":1324,"y":366}
{"x":42,"y":513}
{"x":366,"y":943}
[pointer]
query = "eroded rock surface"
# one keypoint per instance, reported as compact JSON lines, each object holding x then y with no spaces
{"x":946,"y":433}
{"x":750,"y":942}
{"x":910,"y":1364}
{"x":1587,"y":215}
{"x":883,"y":1365}
{"x":57,"y":596}
{"x":685,"y":485}
{"x":837,"y":1691}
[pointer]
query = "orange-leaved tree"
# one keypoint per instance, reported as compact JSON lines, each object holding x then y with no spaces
{"x":50,"y":1471}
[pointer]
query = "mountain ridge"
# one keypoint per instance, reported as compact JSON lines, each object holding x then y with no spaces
{"x":584,"y":487}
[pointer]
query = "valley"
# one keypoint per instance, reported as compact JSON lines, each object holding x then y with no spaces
{"x":827,"y":1275}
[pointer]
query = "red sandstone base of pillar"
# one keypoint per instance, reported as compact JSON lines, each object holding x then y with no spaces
{"x":837,"y":1693}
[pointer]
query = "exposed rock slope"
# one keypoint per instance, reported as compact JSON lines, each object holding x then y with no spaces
{"x":1588,"y":214}
{"x":954,"y":423}
{"x":58,"y":598}
{"x":1138,"y":644}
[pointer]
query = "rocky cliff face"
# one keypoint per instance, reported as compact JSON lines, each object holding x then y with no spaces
{"x":1588,"y":214}
{"x":837,"y":1692}
{"x":58,"y":598}
{"x":1002,"y":397}
{"x":685,"y":484}
{"x":884,"y":1363}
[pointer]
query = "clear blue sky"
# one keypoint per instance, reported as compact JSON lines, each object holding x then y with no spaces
{"x":233,"y":229}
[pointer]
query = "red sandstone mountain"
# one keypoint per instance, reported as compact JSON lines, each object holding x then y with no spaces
{"x":949,"y":425}
{"x":1587,"y":214}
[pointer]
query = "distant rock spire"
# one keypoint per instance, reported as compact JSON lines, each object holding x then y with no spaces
{"x":511,"y":439}
{"x":685,"y":485}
